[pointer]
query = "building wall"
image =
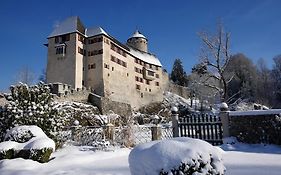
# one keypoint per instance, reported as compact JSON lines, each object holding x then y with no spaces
{"x":93,"y":67}
{"x":62,"y":68}
{"x":79,"y":63}
{"x":115,"y":79}
{"x":138,"y":43}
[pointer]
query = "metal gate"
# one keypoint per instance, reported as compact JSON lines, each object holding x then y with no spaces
{"x":206,"y":126}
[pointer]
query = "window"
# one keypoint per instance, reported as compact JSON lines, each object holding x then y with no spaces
{"x":150,"y":66}
{"x":112,"y":68}
{"x":95,"y":52}
{"x":141,"y":95}
{"x":136,"y":78}
{"x":157,"y":75}
{"x":149,"y":90}
{"x":81,"y":51}
{"x":157,"y":83}
{"x":118,"y":61}
{"x":60,"y":50}
{"x":156,"y":67}
{"x":150,"y":73}
{"x":62,"y":38}
{"x":106,"y":66}
{"x":95,"y":40}
{"x":81,"y":38}
{"x":137,"y":87}
{"x":112,"y":58}
{"x":147,"y":82}
{"x":117,"y":49}
{"x":93,"y":66}
{"x":83,"y":83}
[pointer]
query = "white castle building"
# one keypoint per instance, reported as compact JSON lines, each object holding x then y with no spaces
{"x":92,"y":58}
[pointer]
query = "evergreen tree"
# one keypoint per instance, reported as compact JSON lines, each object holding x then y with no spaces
{"x":178,"y":75}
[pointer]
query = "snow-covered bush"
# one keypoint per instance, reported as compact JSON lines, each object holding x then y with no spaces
{"x":177,"y":156}
{"x":31,"y":106}
{"x":38,"y":147}
{"x":74,"y":111}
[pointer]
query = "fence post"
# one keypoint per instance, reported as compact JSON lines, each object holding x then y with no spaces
{"x":156,"y":132}
{"x":175,"y":121}
{"x":224,"y":116}
{"x":110,"y":132}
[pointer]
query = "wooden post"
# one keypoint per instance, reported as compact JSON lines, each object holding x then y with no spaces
{"x":110,"y":132}
{"x":175,"y":120}
{"x":224,"y":116}
{"x":156,"y":132}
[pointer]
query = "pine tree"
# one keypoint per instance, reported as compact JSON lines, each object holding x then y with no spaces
{"x":178,"y":75}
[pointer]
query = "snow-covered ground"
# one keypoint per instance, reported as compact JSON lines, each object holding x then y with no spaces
{"x":239,"y":159}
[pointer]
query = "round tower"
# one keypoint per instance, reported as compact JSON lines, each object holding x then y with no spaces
{"x":138,"y":41}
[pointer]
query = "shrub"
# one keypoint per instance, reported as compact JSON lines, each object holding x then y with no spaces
{"x":177,"y":156}
{"x":38,"y":148}
{"x":31,"y":106}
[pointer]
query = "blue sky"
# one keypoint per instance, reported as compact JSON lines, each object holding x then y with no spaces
{"x":170,"y":26}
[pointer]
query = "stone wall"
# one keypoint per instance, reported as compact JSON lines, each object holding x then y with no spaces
{"x":106,"y":105}
{"x":77,"y":96}
{"x":179,"y":90}
{"x":257,"y":127}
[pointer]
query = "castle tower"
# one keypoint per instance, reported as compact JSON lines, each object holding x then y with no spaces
{"x":138,"y":41}
{"x":66,"y":53}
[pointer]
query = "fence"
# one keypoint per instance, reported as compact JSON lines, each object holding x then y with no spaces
{"x":207,"y":127}
{"x":101,"y":137}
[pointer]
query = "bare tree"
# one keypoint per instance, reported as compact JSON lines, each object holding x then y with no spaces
{"x":25,"y":75}
{"x":214,"y":58}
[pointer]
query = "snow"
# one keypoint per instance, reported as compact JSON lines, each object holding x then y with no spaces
{"x":255,"y":112}
{"x":151,"y":157}
{"x":67,"y":26}
{"x":239,"y":159}
{"x":39,"y":140}
{"x":95,"y":31}
{"x":137,"y":34}
{"x":146,"y":57}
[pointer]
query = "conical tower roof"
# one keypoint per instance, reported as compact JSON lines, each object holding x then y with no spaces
{"x":137,"y":34}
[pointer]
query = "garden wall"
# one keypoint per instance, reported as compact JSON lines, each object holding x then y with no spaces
{"x":260,"y":126}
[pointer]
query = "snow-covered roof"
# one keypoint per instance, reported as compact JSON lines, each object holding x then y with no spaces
{"x":67,"y":26}
{"x":95,"y":31}
{"x":146,"y":57}
{"x":137,"y":34}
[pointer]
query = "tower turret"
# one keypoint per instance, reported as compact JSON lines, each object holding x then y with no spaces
{"x":138,"y":41}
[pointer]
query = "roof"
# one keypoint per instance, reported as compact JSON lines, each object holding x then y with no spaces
{"x":95,"y":31}
{"x":137,"y":34}
{"x":146,"y":57}
{"x":71,"y":24}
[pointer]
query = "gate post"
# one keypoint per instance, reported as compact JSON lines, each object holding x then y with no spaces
{"x":175,"y":121}
{"x":110,"y":132}
{"x":224,"y":116}
{"x":156,"y":132}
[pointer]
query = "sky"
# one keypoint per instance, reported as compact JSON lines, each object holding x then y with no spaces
{"x":171,"y":28}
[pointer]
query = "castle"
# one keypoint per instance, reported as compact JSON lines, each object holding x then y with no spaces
{"x":91,"y":58}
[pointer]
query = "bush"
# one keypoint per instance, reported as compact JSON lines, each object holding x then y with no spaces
{"x":177,"y":156}
{"x":39,"y":155}
{"x":7,"y":154}
{"x":38,"y":147}
{"x":31,"y":106}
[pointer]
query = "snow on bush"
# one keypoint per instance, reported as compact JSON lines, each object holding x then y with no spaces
{"x":31,"y":106}
{"x":176,"y":156}
{"x":84,"y":113}
{"x":28,"y":142}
